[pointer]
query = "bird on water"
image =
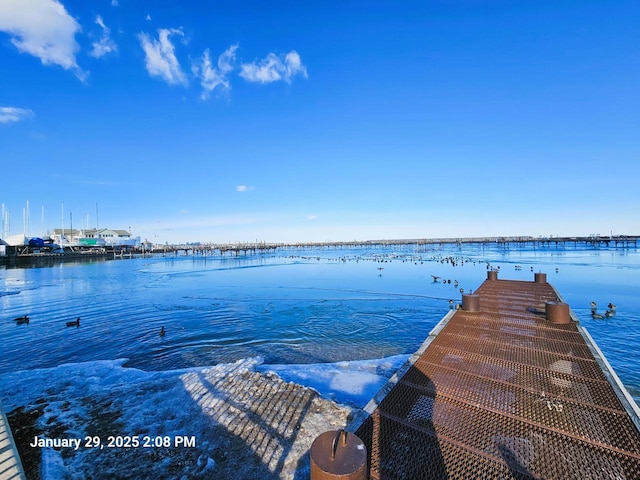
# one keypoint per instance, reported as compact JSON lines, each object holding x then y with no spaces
{"x":74,"y":323}
{"x":22,"y":320}
{"x":162,"y":331}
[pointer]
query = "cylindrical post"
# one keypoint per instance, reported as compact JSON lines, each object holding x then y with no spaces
{"x":471,"y":302}
{"x":338,"y":455}
{"x":492,"y":275}
{"x":557,"y":312}
{"x":540,"y":277}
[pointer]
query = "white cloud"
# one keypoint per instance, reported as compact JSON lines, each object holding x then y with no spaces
{"x":161,"y":60}
{"x":14,"y":114}
{"x":294,"y":65}
{"x":312,"y":217}
{"x":44,"y":29}
{"x":105,"y":44}
{"x":212,"y":77}
{"x":243,"y":188}
{"x":114,"y":3}
{"x":148,"y":17}
{"x":272,"y":68}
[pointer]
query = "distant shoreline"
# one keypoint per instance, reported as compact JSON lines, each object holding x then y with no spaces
{"x":12,"y":259}
{"x":591,"y":240}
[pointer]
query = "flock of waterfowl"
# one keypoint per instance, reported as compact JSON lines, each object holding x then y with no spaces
{"x":454,"y":261}
{"x":611,"y":308}
{"x":24,"y":320}
{"x":610,"y":312}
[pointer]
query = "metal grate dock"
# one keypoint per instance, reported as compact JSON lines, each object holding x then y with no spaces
{"x":499,"y":391}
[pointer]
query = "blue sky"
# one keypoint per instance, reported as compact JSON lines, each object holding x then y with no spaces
{"x":318,"y":121}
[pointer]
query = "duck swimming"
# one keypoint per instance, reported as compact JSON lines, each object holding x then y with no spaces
{"x":162,"y":331}
{"x":22,"y":320}
{"x":75,"y":323}
{"x":596,"y":315}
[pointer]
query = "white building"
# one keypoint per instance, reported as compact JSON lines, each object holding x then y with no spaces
{"x":93,"y":237}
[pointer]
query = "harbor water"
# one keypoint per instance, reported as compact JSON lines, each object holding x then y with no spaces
{"x":339,"y":320}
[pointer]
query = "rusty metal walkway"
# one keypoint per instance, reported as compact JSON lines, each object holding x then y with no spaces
{"x":500,"y":391}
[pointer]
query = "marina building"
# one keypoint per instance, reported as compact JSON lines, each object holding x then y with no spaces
{"x":94,"y":237}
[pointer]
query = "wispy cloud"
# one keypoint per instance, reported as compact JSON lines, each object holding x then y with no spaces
{"x":160,"y":55}
{"x":273,"y":68}
{"x":44,"y":29}
{"x":105,"y":45}
{"x":243,"y":188}
{"x":14,"y":114}
{"x":312,"y":217}
{"x":213,"y":77}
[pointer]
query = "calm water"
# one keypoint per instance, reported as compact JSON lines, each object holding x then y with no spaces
{"x":298,"y":306}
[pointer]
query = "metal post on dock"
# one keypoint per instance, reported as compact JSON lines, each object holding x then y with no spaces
{"x":557,"y":312}
{"x":338,"y":455}
{"x":471,"y":302}
{"x":540,"y":277}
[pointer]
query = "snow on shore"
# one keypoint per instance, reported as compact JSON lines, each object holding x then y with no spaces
{"x":239,"y":420}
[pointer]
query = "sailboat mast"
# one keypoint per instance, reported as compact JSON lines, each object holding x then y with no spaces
{"x":28,"y":219}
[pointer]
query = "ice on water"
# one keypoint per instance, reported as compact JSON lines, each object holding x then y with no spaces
{"x":80,"y":399}
{"x":352,"y":383}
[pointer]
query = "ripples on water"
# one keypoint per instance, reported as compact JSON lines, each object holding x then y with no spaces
{"x":322,"y":306}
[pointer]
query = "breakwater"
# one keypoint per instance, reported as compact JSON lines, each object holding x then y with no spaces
{"x":240,"y":248}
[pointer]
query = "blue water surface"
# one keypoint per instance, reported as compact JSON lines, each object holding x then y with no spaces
{"x":294,"y":306}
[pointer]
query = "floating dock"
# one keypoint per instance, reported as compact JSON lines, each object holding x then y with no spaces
{"x":508,"y":386}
